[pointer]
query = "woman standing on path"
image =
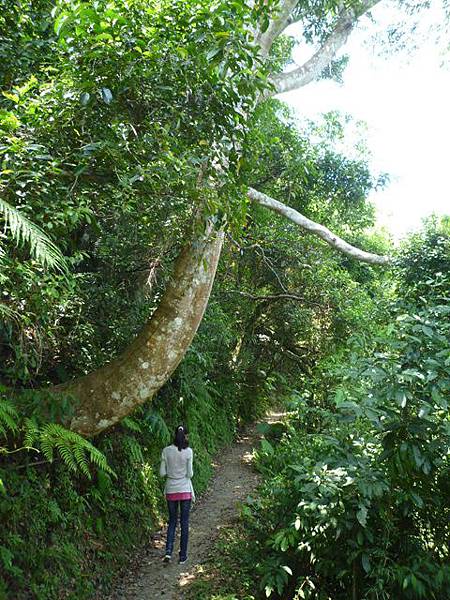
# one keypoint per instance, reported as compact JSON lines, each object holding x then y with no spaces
{"x":176,"y":464}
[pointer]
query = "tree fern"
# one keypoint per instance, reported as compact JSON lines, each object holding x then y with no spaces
{"x":24,"y":231}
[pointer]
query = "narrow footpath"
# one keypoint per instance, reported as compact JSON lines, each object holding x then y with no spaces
{"x":234,"y":480}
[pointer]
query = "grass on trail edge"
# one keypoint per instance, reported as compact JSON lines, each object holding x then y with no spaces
{"x":229,"y":572}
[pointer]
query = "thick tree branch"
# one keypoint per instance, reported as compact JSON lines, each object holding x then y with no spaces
{"x":284,"y":82}
{"x":110,"y":393}
{"x":276,"y":26}
{"x":319,"y":230}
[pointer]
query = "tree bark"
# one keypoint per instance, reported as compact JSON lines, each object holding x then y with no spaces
{"x":109,"y":394}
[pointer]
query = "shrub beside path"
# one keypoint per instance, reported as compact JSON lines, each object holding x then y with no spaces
{"x":233,"y":481}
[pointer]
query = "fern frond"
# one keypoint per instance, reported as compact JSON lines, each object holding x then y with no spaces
{"x":134,"y":449}
{"x":24,"y":231}
{"x":8,"y":417}
{"x":46,"y":445}
{"x":99,"y":460}
{"x":67,"y":454}
{"x":132,"y":424}
{"x":79,"y":453}
{"x":8,"y":313}
{"x":31,"y":432}
{"x":50,"y":439}
{"x":158,"y":426}
{"x":72,"y":448}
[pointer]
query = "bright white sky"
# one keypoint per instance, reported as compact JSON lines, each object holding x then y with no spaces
{"x":405,"y":102}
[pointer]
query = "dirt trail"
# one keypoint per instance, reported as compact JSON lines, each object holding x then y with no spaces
{"x":233,"y":482}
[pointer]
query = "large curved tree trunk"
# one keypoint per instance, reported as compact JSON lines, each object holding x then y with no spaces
{"x":108,"y":394}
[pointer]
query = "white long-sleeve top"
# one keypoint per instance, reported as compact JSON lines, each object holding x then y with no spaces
{"x":177,"y":466}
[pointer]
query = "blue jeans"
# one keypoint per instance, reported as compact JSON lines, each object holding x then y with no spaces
{"x":185,"y":506}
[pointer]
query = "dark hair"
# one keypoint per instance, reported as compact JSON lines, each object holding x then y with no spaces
{"x":180,"y":437}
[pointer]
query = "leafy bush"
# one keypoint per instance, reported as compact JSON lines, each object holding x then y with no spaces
{"x":356,"y":501}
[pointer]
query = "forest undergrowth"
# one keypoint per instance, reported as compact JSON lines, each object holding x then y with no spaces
{"x":128,"y":129}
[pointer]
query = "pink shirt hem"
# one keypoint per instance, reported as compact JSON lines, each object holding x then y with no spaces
{"x":179,"y":496}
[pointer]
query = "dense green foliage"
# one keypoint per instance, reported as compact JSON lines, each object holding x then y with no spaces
{"x":103,"y":144}
{"x":123,"y":124}
{"x":230,"y":375}
{"x":355,"y":501}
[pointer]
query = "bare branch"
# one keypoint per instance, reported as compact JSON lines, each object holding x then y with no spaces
{"x":295,"y":357}
{"x":319,"y":230}
{"x":266,"y":260}
{"x":284,"y":82}
{"x":269,"y":264}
